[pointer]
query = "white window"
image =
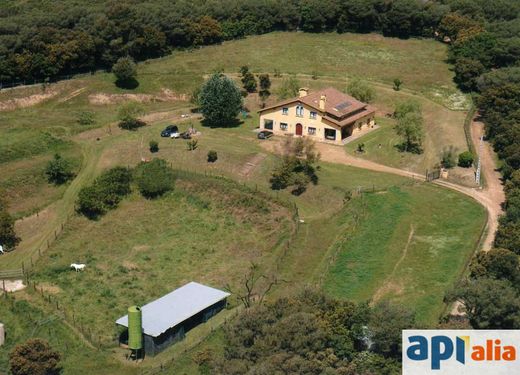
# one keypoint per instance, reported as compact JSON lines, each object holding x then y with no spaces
{"x":312,"y":115}
{"x":285,"y":111}
{"x":283,"y":126}
{"x":312,"y":131}
{"x":299,"y":110}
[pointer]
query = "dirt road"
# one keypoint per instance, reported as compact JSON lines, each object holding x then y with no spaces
{"x":491,"y":196}
{"x":493,"y":190}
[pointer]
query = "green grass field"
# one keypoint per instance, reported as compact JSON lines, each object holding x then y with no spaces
{"x":209,"y":229}
{"x":425,"y":236}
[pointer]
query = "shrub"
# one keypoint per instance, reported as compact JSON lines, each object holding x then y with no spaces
{"x":129,"y":116}
{"x":154,"y":146}
{"x":466,"y":159}
{"x":8,"y":237}
{"x":448,"y":159}
{"x":86,"y":118}
{"x":248,"y":79}
{"x":58,"y":170}
{"x":105,"y":192}
{"x":361,"y":148}
{"x":212,"y":156}
{"x":34,"y":357}
{"x":289,"y":88}
{"x":361,"y":90}
{"x":154,"y":178}
{"x":192,"y":144}
{"x":397,"y":84}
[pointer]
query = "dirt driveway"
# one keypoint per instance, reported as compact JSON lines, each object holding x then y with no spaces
{"x":491,"y":196}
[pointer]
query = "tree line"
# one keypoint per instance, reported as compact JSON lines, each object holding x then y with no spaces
{"x":485,"y":50}
{"x":46,"y":40}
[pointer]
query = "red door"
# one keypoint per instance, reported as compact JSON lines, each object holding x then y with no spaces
{"x":299,"y":129}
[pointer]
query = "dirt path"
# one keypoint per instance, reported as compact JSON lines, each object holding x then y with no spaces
{"x":388,"y":286}
{"x":251,"y":164}
{"x":493,"y":189}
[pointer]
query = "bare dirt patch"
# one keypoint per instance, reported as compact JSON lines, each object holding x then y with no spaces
{"x":251,"y":164}
{"x":12,"y":285}
{"x":166,"y":95}
{"x":28,"y":101}
{"x":72,"y":95}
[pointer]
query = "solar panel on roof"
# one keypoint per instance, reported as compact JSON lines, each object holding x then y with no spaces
{"x":343,"y":105}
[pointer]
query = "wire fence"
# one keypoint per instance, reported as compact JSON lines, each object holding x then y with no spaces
{"x":10,"y":84}
{"x":27,"y":265}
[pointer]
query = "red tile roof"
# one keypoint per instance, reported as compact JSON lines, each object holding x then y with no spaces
{"x":340,"y":109}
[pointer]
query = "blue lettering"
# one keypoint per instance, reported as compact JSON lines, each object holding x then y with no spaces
{"x":461,"y":350}
{"x":437,"y":355}
{"x":418,"y":351}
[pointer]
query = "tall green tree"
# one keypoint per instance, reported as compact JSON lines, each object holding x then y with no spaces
{"x":220,"y":101}
{"x":125,"y":71}
{"x":410,"y":128}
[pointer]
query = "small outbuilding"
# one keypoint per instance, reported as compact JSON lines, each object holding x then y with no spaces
{"x":167,"y":319}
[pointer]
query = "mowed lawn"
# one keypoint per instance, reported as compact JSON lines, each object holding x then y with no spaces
{"x":207,"y":230}
{"x":410,"y":246}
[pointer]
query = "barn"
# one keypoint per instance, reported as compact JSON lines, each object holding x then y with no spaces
{"x":167,"y":319}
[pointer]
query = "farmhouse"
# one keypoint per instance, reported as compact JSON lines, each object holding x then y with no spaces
{"x":327,"y":115}
{"x":167,"y":319}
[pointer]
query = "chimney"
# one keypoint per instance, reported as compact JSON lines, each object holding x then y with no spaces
{"x":323,"y":100}
{"x":303,"y":92}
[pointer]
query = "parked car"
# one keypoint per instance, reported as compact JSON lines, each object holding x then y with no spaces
{"x":169,"y":130}
{"x":264,"y":134}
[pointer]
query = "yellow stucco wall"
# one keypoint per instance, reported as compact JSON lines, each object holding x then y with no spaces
{"x":277,"y":116}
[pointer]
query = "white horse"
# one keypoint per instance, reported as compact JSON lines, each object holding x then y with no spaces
{"x":78,"y":266}
{"x":2,"y":249}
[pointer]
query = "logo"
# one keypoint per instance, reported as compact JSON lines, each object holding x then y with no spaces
{"x":446,"y":352}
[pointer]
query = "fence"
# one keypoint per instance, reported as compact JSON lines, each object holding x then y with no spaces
{"x":30,"y":82}
{"x":467,"y":127}
{"x":11,"y":274}
{"x":35,"y":254}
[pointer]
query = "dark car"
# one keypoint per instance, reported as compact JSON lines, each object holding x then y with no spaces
{"x":169,"y":130}
{"x":264,"y":134}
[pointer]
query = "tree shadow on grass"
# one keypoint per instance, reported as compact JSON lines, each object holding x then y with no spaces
{"x":234,"y":123}
{"x":412,"y":148}
{"x":128,"y":84}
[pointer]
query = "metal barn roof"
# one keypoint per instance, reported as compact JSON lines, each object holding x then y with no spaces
{"x":175,"y":307}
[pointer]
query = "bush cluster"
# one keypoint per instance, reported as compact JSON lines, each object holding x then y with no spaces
{"x":154,"y":178}
{"x":105,"y":192}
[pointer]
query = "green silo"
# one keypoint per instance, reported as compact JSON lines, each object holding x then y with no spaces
{"x":135,"y":330}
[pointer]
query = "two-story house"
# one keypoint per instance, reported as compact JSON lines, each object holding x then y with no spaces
{"x":327,"y":115}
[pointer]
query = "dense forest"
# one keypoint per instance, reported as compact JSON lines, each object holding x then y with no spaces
{"x":47,"y":39}
{"x":309,"y":333}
